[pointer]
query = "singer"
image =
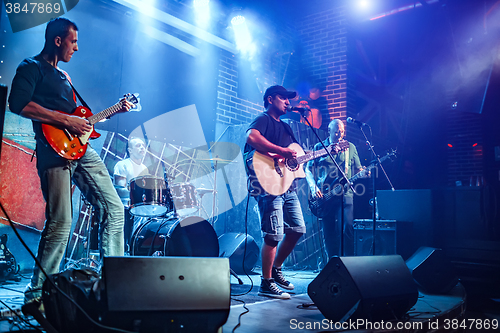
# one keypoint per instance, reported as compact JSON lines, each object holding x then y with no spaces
{"x":281,"y":216}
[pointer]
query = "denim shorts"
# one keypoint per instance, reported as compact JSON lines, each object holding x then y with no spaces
{"x":280,"y":215}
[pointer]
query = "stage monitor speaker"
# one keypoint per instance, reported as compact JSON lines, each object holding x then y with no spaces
{"x":232,"y":246}
{"x":367,"y":287}
{"x":166,"y":294}
{"x":432,"y":270}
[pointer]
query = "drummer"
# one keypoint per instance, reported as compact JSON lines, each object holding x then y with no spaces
{"x":133,"y":166}
{"x":126,"y":170}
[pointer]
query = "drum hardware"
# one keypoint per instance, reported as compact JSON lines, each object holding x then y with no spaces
{"x":184,"y":198}
{"x":91,"y":260}
{"x":203,"y":191}
{"x":150,"y":196}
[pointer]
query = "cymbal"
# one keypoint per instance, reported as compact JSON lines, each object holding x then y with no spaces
{"x":203,"y":191}
{"x":217,"y":160}
{"x":225,"y":150}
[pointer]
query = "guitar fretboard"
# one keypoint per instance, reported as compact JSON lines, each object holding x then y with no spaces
{"x":322,"y":152}
{"x":104,"y":113}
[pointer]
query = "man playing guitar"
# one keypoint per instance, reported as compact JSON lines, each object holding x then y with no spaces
{"x":321,"y":176}
{"x":41,"y":91}
{"x":281,"y":215}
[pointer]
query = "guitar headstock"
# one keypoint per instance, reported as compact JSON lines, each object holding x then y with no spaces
{"x":392,"y":153}
{"x":340,"y":146}
{"x":134,"y":99}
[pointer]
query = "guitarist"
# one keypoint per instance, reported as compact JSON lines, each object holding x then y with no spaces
{"x":281,"y":216}
{"x":40,"y":89}
{"x":321,"y":175}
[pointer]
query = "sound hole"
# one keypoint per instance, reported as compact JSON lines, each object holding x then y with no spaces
{"x":292,"y":164}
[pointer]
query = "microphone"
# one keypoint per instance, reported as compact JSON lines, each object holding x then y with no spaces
{"x":354,"y":121}
{"x":297,"y":108}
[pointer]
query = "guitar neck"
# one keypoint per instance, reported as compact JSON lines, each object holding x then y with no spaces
{"x":104,"y":114}
{"x":316,"y":153}
{"x":338,"y":188}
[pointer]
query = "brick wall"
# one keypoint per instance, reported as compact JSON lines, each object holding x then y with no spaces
{"x":231,"y":109}
{"x":276,"y":66}
{"x":324,"y":58}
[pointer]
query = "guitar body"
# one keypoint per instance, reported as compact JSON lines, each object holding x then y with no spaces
{"x":66,"y":145}
{"x":266,"y":168}
{"x":321,"y":206}
{"x":8,"y":264}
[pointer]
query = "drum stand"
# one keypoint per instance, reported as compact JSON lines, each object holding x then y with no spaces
{"x":91,"y":260}
{"x":233,"y":273}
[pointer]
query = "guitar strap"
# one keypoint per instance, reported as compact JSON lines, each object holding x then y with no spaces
{"x":346,"y":161}
{"x":79,"y":97}
{"x":76,"y":92}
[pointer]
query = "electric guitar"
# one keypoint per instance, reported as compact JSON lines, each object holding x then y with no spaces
{"x":8,"y":264}
{"x":73,"y":147}
{"x":275,"y":174}
{"x":318,"y":205}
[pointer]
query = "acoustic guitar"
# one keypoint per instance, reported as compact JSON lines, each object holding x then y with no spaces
{"x":275,"y":174}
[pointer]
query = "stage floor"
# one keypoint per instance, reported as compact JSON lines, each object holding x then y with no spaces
{"x":299,"y":314}
{"x":262,"y":314}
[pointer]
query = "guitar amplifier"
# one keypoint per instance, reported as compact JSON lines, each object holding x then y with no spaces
{"x":391,"y":237}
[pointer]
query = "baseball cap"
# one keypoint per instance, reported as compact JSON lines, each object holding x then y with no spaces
{"x":280,"y":90}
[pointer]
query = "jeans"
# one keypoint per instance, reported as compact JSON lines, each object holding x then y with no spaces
{"x":280,"y":214}
{"x":92,"y":178}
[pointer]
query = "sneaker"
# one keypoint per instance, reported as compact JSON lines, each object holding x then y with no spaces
{"x":33,"y":299}
{"x":280,"y":279}
{"x":31,"y":293}
{"x":270,"y":289}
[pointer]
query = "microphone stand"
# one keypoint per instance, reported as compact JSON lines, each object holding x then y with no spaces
{"x":374,"y":190}
{"x":344,"y":176}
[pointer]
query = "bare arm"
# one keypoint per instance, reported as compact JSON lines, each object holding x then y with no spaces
{"x":74,"y":124}
{"x":262,"y":145}
{"x":120,"y":180}
{"x":315,"y":191}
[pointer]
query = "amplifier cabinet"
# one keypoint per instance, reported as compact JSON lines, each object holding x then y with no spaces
{"x":391,"y":237}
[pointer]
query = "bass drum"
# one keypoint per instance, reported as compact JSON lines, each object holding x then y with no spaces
{"x":187,"y":237}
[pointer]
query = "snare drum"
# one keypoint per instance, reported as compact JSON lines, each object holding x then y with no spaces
{"x":189,"y":237}
{"x":149,"y":196}
{"x":184,"y":196}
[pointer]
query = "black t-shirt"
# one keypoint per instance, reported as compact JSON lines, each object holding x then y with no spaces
{"x":276,"y":132}
{"x":38,"y":81}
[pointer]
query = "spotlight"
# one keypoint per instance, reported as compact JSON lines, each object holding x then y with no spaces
{"x":238,"y":20}
{"x":363,"y":4}
{"x":202,"y":12}
{"x":200,"y":4}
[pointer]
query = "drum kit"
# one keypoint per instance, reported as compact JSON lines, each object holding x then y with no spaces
{"x":164,"y":220}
